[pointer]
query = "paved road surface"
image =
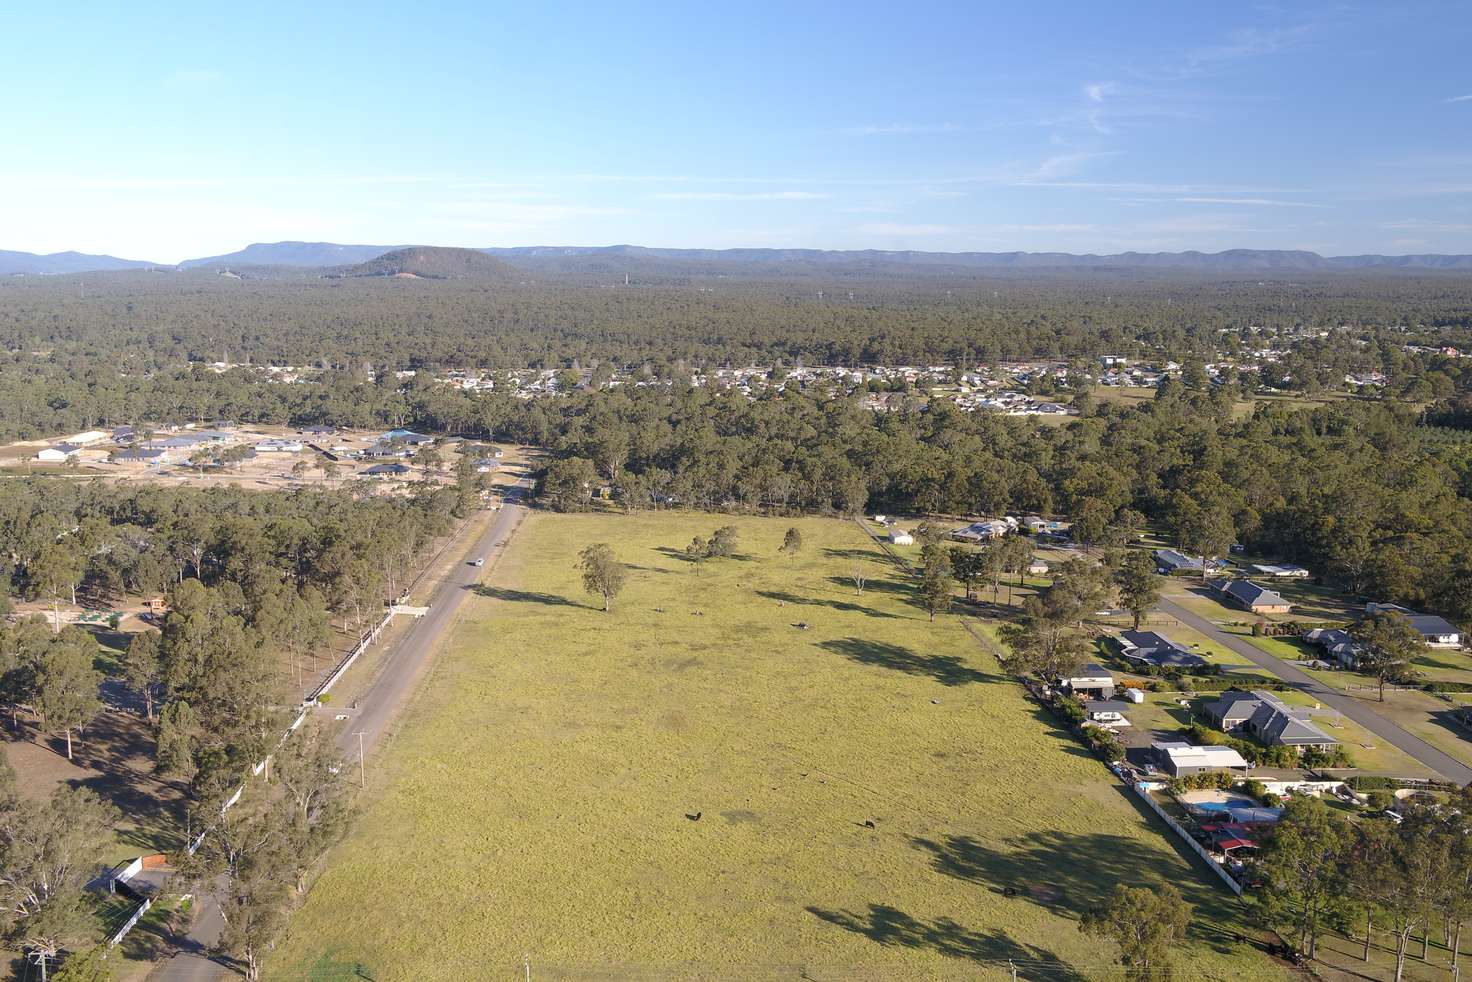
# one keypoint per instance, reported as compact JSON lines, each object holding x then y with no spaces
{"x":377,"y":708}
{"x":1391,"y":732}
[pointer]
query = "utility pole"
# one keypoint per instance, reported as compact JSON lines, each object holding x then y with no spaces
{"x":1013,"y":968}
{"x":362,"y":772}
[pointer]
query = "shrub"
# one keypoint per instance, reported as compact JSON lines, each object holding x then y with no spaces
{"x":1071,"y":708}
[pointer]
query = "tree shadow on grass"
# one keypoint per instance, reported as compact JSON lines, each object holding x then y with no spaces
{"x":1068,"y":873}
{"x":945,"y":669}
{"x":867,"y":555}
{"x":843,"y":605}
{"x":681,"y":555}
{"x":886,"y":925}
{"x":525,"y":596}
{"x":1068,"y":742}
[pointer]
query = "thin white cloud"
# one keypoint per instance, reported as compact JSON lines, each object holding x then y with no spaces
{"x":1460,"y":98}
{"x":740,"y":196}
{"x":1064,"y":164}
{"x":1098,"y":91}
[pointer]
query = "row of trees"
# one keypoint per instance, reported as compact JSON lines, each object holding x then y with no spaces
{"x":1401,"y":879}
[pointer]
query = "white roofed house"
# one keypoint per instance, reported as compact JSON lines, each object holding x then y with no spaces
{"x":1090,"y":682}
{"x":899,"y":537}
{"x":1180,"y":759}
{"x":59,"y":452}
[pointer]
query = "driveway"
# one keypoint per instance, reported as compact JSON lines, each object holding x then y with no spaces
{"x":1393,"y":733}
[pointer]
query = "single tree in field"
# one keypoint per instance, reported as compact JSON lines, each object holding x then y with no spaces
{"x":299,"y":469}
{"x":328,"y":468}
{"x":792,"y":542}
{"x":1139,"y":584}
{"x":698,"y":551}
{"x":936,"y":581}
{"x":1146,"y":923}
{"x":141,"y":666}
{"x":1388,"y":645}
{"x":859,"y":573}
{"x":603,"y":575}
{"x":723,"y":542}
{"x":66,"y":685}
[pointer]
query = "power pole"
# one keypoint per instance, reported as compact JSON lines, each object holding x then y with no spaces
{"x":1013,"y":968}
{"x":362,"y":772}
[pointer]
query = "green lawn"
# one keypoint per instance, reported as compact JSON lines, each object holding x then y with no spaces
{"x":536,"y":799}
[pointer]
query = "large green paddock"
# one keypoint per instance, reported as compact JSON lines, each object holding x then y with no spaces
{"x":535,"y":802}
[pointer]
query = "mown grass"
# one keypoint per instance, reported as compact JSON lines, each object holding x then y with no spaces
{"x":536,"y":800}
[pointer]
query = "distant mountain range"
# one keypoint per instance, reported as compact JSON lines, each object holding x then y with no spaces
{"x":31,"y":264}
{"x":328,"y":255}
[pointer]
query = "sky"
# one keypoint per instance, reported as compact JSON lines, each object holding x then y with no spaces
{"x":165,"y":131}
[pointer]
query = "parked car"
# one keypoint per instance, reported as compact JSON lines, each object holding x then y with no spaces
{"x":477,"y":562}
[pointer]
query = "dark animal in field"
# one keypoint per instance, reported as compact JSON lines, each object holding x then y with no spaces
{"x":869,"y":823}
{"x":695,"y":817}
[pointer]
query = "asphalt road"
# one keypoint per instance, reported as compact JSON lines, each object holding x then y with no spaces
{"x":1391,"y":732}
{"x":376,"y":710}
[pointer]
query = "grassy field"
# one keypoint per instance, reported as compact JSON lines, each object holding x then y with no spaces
{"x":536,"y":800}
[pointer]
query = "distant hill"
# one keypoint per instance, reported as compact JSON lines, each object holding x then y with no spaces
{"x":31,"y":264}
{"x":310,"y":254}
{"x":431,"y":263}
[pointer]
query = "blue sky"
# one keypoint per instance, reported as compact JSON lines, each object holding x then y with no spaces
{"x":164,"y":131}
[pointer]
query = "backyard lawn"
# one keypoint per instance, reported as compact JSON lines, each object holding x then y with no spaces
{"x":747,"y":768}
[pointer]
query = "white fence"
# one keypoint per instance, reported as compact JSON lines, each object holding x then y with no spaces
{"x":128,"y":925}
{"x":1216,"y":867}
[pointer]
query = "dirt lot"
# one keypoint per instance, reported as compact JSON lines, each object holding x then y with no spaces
{"x":266,"y":471}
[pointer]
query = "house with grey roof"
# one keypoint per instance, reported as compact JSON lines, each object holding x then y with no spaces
{"x":1267,"y":717}
{"x":1169,"y":561}
{"x":1338,"y":646}
{"x":1250,"y":596}
{"x":1153,"y":648}
{"x":1435,"y":631}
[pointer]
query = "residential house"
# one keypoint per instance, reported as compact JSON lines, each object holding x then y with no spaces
{"x":140,"y":455}
{"x":1090,"y":682}
{"x":59,"y":452}
{"x":1250,"y":596}
{"x":280,"y":446}
{"x":88,"y":438}
{"x":1152,"y":648}
{"x":406,"y":436}
{"x":1169,"y":562}
{"x":1435,"y":631}
{"x":1268,"y":718}
{"x":983,"y":531}
{"x":1339,"y":646}
{"x":387,"y":470}
{"x":1281,"y":570}
{"x":1180,"y":759}
{"x":486,"y":465}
